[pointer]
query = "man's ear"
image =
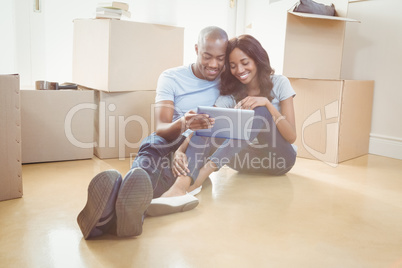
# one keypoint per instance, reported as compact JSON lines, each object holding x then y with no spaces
{"x":196,"y":49}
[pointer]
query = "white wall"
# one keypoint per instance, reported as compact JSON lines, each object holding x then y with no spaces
{"x":373,"y":51}
{"x":193,"y":15}
{"x":267,"y":23}
{"x":44,"y":50}
{"x":8,"y":43}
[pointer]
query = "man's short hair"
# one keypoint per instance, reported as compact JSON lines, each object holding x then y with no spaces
{"x":212,"y":32}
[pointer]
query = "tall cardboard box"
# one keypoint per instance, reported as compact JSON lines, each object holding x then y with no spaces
{"x":333,"y":118}
{"x":57,"y":125}
{"x":314,"y":43}
{"x":10,"y":138}
{"x":122,"y":121}
{"x":116,"y":55}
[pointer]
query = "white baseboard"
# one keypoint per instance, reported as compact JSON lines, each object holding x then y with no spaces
{"x":385,"y":146}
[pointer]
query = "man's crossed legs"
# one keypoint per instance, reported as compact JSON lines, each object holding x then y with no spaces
{"x":118,"y":206}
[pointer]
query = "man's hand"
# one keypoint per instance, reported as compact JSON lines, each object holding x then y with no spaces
{"x":180,"y":164}
{"x":196,"y":121}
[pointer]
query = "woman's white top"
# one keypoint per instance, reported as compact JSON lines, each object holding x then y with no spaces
{"x":282,"y":90}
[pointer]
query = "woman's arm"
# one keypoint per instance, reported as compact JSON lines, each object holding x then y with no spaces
{"x":180,"y":163}
{"x":285,"y":122}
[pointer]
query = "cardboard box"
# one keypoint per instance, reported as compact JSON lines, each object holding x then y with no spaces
{"x":122,"y":121}
{"x":116,"y":55}
{"x":10,"y":138}
{"x":57,"y":125}
{"x":333,"y":118}
{"x":314,"y":43}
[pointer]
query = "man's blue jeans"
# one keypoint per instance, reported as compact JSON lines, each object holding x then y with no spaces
{"x":155,"y":157}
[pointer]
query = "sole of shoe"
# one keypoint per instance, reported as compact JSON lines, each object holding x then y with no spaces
{"x":99,"y":192}
{"x":133,"y":199}
{"x":168,"y":205}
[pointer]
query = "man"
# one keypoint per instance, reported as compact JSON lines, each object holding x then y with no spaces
{"x":117,"y":205}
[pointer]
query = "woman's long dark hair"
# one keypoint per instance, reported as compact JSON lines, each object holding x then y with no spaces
{"x":230,"y":85}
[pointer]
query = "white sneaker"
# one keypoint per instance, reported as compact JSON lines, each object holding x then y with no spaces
{"x":196,"y":191}
{"x":168,"y":205}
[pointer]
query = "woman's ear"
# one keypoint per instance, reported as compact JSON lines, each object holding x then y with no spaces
{"x":196,"y":49}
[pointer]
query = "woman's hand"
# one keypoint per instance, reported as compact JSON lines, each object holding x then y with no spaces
{"x":195,"y":121}
{"x":250,"y":102}
{"x":180,"y":164}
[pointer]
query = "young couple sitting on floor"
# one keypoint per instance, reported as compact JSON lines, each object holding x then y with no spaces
{"x":172,"y":163}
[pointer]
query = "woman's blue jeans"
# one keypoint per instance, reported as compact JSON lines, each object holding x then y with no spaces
{"x":273,"y":155}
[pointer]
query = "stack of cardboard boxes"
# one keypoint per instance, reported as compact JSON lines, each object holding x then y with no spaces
{"x":333,"y":115}
{"x":120,"y":61}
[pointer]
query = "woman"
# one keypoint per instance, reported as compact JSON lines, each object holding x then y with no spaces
{"x":248,"y":82}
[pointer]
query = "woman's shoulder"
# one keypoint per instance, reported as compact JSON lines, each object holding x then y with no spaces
{"x":282,"y":88}
{"x":279,"y":78}
{"x":280,"y":82}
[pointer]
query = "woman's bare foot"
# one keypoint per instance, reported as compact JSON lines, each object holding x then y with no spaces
{"x":179,"y":188}
{"x":205,"y":171}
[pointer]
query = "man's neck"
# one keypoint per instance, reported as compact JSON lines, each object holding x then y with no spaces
{"x":197,"y":72}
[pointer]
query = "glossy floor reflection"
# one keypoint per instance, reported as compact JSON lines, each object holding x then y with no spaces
{"x":315,"y":216}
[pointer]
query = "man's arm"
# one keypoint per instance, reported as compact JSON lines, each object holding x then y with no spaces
{"x":169,"y":129}
{"x":165,"y":127}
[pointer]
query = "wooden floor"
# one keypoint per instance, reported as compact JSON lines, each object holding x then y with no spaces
{"x":315,"y":216}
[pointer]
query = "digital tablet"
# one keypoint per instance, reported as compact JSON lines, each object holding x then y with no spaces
{"x":230,"y":123}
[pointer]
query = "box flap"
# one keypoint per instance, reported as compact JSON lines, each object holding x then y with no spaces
{"x":315,"y":16}
{"x":341,"y":11}
{"x":313,"y":48}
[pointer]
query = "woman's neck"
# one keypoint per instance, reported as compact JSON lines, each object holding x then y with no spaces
{"x":253,"y":91}
{"x":253,"y":88}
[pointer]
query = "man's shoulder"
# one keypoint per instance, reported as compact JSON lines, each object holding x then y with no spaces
{"x":174,"y":78}
{"x":176,"y":71}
